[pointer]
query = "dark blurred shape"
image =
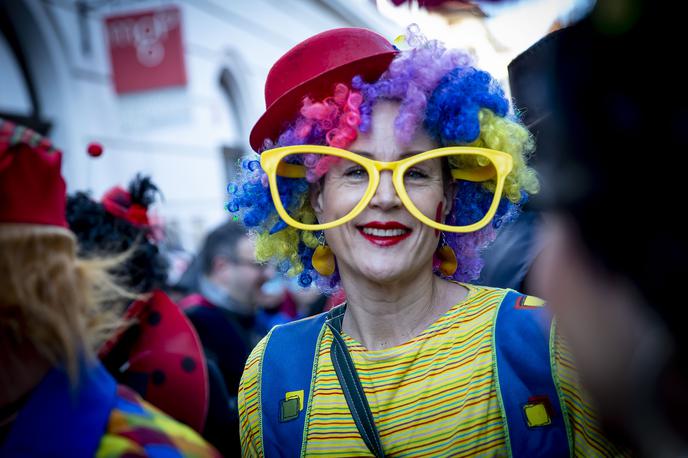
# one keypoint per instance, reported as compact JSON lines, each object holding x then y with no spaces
{"x":615,"y":153}
{"x":532,"y":84}
{"x":510,"y":257}
{"x":612,"y":153}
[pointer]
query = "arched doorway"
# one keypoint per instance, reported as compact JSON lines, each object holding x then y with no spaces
{"x":19,"y":100}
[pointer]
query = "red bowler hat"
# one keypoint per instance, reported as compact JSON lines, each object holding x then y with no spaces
{"x":312,"y":68}
{"x":32,"y":190}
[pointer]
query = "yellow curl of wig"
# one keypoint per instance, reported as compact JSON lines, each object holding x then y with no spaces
{"x":513,"y":138}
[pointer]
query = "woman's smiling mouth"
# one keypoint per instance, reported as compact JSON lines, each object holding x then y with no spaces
{"x":384,"y":234}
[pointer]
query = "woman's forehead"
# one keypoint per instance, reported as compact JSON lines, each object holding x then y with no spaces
{"x":381,"y":142}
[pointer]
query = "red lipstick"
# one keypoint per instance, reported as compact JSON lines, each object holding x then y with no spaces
{"x":383,"y":240}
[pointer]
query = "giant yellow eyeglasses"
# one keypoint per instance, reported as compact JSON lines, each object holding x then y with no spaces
{"x":355,"y":179}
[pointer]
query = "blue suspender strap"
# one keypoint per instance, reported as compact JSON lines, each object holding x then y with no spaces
{"x":527,"y":392}
{"x":61,"y":421}
{"x":286,"y":374}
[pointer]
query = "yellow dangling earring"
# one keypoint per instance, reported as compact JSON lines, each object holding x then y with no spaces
{"x":323,"y":258}
{"x":447,"y":258}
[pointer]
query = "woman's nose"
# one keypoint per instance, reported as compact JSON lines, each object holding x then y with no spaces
{"x":385,"y":197}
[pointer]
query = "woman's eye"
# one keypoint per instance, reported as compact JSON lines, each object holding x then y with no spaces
{"x":416,"y":174}
{"x":355,"y":172}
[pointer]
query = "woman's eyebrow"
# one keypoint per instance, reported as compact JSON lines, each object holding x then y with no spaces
{"x":401,"y":156}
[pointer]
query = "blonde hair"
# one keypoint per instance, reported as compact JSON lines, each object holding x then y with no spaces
{"x":62,"y":306}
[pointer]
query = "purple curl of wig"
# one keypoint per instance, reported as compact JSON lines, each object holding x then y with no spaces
{"x":411,"y":78}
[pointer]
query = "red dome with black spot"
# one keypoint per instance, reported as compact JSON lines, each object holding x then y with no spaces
{"x":165,"y":363}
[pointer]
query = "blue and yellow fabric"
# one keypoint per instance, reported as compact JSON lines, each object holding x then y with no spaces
{"x":96,"y":417}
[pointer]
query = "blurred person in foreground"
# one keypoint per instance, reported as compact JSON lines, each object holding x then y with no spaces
{"x":614,"y":169}
{"x":157,"y":351}
{"x":509,"y":259}
{"x":223,"y":311}
{"x":56,"y":309}
{"x":385,"y":172}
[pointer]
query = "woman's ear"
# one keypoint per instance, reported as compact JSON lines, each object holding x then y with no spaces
{"x":316,"y":198}
{"x":448,"y":199}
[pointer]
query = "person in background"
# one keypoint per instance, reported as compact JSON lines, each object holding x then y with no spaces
{"x":56,"y":309}
{"x":285,"y":301}
{"x":223,"y":310}
{"x":615,"y":251}
{"x":157,"y":352}
{"x":120,"y":222}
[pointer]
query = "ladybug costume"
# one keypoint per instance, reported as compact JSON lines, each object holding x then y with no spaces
{"x":160,"y":356}
{"x":158,"y":352}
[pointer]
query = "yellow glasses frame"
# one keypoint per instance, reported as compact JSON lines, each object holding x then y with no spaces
{"x":500,"y":163}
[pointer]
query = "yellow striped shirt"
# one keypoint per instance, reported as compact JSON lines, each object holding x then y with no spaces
{"x":435,"y":395}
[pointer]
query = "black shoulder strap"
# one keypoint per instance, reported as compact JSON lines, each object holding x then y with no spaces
{"x":351,"y":385}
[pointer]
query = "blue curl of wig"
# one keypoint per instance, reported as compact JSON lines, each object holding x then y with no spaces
{"x":452,"y":112}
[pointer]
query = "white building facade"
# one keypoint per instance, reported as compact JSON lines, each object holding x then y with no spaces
{"x":56,"y":75}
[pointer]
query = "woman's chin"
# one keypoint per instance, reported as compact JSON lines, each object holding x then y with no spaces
{"x":385,"y":272}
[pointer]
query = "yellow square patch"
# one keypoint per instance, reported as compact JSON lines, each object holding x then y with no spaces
{"x":536,"y":415}
{"x":295,"y":395}
{"x":532,"y":301}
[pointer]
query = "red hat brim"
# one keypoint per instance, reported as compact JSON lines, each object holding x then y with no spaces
{"x":285,"y":109}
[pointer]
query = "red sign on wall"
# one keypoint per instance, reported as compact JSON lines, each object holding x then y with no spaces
{"x":146,"y":50}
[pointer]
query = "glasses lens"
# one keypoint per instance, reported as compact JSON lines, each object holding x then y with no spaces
{"x":338,"y":184}
{"x":470,"y":177}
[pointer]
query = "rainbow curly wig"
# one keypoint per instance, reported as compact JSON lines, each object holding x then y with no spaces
{"x":439,"y":90}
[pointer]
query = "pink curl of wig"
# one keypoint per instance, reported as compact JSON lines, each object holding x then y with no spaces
{"x":339,"y":117}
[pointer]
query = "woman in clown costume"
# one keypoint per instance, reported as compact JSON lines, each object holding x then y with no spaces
{"x":384,"y":173}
